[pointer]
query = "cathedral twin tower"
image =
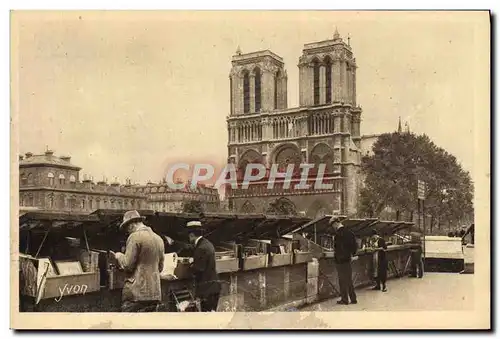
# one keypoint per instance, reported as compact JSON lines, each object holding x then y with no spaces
{"x":325,"y":128}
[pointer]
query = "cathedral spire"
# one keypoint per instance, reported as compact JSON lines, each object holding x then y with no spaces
{"x":399,"y":126}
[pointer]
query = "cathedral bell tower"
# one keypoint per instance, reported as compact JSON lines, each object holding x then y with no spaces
{"x":327,"y":73}
{"x":258,"y":83}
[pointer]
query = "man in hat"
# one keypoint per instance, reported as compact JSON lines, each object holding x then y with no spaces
{"x":142,"y":263}
{"x":345,"y":248}
{"x":205,"y":274}
{"x":382,"y":264}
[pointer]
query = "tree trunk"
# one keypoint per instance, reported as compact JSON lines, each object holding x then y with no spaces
{"x":432,"y":222}
{"x":397,"y":215}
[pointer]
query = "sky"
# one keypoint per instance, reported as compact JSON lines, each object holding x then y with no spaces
{"x":125,"y":94}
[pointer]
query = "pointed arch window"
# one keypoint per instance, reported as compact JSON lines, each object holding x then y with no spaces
{"x":257,"y":89}
{"x":276,"y":80}
{"x":62,"y":179}
{"x":231,"y":94}
{"x":30,"y":179}
{"x":246,"y":92}
{"x":316,"y":82}
{"x":328,"y":80}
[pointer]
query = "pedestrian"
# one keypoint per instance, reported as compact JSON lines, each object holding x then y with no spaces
{"x":345,"y":248}
{"x":205,"y":273}
{"x":381,"y":248}
{"x":417,"y":265}
{"x":142,"y":263}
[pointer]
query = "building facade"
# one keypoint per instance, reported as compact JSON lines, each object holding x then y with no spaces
{"x":49,"y":182}
{"x":162,"y":198}
{"x":324,"y":129}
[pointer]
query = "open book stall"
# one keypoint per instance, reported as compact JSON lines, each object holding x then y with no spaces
{"x":55,"y":257}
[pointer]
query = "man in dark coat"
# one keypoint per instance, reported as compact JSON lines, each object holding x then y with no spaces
{"x":382,"y":263}
{"x":142,"y":262}
{"x":205,"y":273}
{"x":345,"y":248}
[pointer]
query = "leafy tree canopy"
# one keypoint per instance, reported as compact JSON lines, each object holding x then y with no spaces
{"x":392,"y":171}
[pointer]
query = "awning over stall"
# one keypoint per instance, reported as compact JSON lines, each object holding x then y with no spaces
{"x":45,"y":220}
{"x":360,"y":227}
{"x":227,"y":227}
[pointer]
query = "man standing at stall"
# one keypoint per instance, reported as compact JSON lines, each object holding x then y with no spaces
{"x":142,"y":263}
{"x":382,"y":264}
{"x":205,"y":274}
{"x":345,"y":248}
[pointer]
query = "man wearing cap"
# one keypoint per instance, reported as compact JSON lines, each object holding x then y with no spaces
{"x":142,"y":263}
{"x":345,"y":248}
{"x":205,"y":273}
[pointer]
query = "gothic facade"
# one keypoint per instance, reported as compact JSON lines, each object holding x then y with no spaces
{"x":325,"y":128}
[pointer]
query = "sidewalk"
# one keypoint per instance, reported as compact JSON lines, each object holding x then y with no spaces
{"x":434,"y":292}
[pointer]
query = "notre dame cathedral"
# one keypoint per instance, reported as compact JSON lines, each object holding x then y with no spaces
{"x":325,"y":128}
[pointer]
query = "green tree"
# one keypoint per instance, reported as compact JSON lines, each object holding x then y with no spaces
{"x":391,"y":173}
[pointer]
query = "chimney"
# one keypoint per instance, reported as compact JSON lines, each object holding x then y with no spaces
{"x":28,"y":155}
{"x":65,"y":158}
{"x":115,"y":183}
{"x":21,"y":157}
{"x":49,"y":153}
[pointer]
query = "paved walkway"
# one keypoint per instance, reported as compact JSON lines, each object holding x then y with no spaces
{"x":434,"y":292}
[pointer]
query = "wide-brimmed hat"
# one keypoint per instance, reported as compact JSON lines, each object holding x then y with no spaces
{"x":131,"y":216}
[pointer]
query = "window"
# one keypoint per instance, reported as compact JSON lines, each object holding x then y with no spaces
{"x":257,"y":89}
{"x":328,"y":80}
{"x":276,"y":80}
{"x":72,"y":181}
{"x":246,"y":92}
{"x":231,"y":94}
{"x":316,"y":82}
{"x":31,"y":200}
{"x":82,"y":204}
{"x":51,"y":201}
{"x":62,"y":179}
{"x":30,"y":179}
{"x":24,"y":179}
{"x":72,"y":202}
{"x":91,"y":204}
{"x":50,"y":177}
{"x":62,"y":202}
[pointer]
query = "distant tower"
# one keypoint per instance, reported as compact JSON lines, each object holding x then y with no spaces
{"x":399,"y":126}
{"x":258,"y":83}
